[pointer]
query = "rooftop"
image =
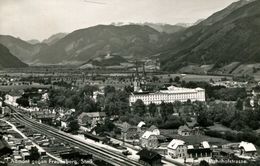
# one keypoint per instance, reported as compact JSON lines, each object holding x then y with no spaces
{"x":175,"y":143}
{"x":93,"y":114}
{"x":149,"y":155}
{"x":147,"y":134}
{"x":171,"y":90}
{"x":249,"y":147}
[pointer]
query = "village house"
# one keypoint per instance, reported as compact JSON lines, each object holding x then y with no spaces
{"x":256,"y":91}
{"x":11,"y":97}
{"x":65,"y":121}
{"x":184,"y":131}
{"x":149,"y":140}
{"x":201,"y":150}
{"x":96,"y":94}
{"x":129,"y":132}
{"x":154,"y":130}
{"x":177,"y":149}
{"x":44,"y":116}
{"x":247,"y":149}
{"x":91,"y":118}
{"x":150,"y":158}
{"x":140,"y":126}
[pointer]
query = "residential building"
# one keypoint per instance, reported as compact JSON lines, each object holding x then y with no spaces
{"x":11,"y":97}
{"x":201,"y":150}
{"x":177,"y":149}
{"x":149,"y":140}
{"x":247,"y":149}
{"x":89,"y":117}
{"x":256,"y":91}
{"x":65,"y":120}
{"x":170,"y":95}
{"x":96,"y":94}
{"x":154,"y":130}
{"x":184,"y":131}
{"x":129,"y":132}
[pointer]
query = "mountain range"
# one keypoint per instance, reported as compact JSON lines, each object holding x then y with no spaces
{"x":167,"y":28}
{"x":129,"y":41}
{"x":227,"y":39}
{"x":231,"y":35}
{"x":21,"y":49}
{"x":54,"y":38}
{"x":7,"y":60}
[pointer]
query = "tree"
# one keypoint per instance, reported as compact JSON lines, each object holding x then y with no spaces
{"x":172,"y":122}
{"x":34,"y":154}
{"x":155,"y":79}
{"x":109,"y":89}
{"x":239,"y":104}
{"x":129,"y":89}
{"x":23,"y":101}
{"x":177,"y":79}
{"x":152,"y":109}
{"x":74,"y":125}
{"x":139,"y":107}
{"x":170,"y":80}
{"x":204,"y":163}
{"x":88,"y":90}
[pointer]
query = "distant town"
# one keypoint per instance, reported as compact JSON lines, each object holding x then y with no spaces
{"x":138,"y":118}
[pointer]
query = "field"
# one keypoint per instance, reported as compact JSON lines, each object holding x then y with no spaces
{"x":193,"y":77}
{"x":19,"y":87}
{"x":194,"y":139}
{"x":219,"y":128}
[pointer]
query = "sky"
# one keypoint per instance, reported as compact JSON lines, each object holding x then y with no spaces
{"x":39,"y":19}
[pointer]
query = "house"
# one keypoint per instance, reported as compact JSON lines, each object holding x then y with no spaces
{"x":189,"y":129}
{"x":201,"y":150}
{"x":65,"y":121}
{"x":154,"y":130}
{"x":247,"y":149}
{"x":45,"y":96}
{"x":89,"y":117}
{"x":129,"y":132}
{"x":256,"y":91}
{"x":184,"y":130}
{"x":12,"y":96}
{"x":177,"y":149}
{"x":150,"y":158}
{"x":149,"y":140}
{"x":140,"y":126}
{"x":6,"y":110}
{"x":44,"y":116}
{"x":96,"y":94}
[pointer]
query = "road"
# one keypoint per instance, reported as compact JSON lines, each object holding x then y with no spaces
{"x":102,"y":154}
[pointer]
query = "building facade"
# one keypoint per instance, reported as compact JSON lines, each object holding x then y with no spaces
{"x":177,"y":149}
{"x":149,"y":140}
{"x":170,"y":95}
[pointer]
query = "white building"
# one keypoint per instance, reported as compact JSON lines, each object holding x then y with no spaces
{"x":247,"y":149}
{"x":177,"y":149}
{"x":11,"y":97}
{"x":169,"y":96}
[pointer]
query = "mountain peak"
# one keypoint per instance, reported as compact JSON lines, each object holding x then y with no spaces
{"x":54,"y":38}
